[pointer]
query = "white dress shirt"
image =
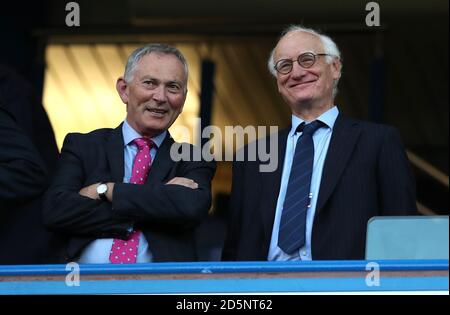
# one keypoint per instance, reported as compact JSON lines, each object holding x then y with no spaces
{"x":321,"y":139}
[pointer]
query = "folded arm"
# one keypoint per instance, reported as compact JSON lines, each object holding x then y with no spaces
{"x":68,"y":211}
{"x":181,"y":200}
{"x":71,"y":205}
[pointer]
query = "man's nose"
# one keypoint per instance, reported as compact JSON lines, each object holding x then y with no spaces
{"x":159,"y":94}
{"x":297,"y":70}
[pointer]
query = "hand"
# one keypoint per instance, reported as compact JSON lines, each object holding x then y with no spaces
{"x":183,"y":181}
{"x":90,"y":191}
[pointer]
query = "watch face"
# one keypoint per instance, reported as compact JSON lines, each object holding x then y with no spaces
{"x":102,"y":188}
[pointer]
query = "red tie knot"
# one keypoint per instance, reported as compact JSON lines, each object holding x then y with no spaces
{"x":143,"y":143}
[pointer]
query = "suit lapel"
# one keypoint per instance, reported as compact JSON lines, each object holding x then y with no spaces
{"x":270,"y":185}
{"x":162,"y":164}
{"x":114,"y":152}
{"x":343,"y":140}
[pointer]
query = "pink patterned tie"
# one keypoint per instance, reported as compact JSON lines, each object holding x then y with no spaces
{"x":125,"y":251}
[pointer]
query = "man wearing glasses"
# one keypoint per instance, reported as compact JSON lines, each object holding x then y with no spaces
{"x":336,"y":173}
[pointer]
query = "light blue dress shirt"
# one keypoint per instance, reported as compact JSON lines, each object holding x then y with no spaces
{"x":321,"y":139}
{"x":97,"y":252}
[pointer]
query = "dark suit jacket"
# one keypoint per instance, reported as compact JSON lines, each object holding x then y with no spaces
{"x":20,"y":98}
{"x":23,"y":179}
{"x":366,"y":173}
{"x":166,"y":214}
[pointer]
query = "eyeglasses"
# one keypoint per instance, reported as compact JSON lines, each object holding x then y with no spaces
{"x":305,"y":60}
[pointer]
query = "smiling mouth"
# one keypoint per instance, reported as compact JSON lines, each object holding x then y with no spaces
{"x":156,"y":112}
{"x":302,"y":83}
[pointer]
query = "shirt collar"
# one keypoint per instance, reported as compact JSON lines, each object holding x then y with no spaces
{"x":328,"y":118}
{"x":129,"y":134}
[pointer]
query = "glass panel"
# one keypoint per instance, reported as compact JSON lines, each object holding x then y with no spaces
{"x":413,"y":237}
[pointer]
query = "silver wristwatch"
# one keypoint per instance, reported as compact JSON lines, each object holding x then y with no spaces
{"x":101,"y":191}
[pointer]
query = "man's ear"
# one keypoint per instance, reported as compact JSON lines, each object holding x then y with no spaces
{"x":122,"y":89}
{"x":184,"y":100}
{"x":336,"y":67}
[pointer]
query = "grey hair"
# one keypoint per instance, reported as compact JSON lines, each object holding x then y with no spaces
{"x":329,"y":46}
{"x":140,"y":52}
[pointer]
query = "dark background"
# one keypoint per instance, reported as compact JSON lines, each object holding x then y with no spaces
{"x":396,"y":73}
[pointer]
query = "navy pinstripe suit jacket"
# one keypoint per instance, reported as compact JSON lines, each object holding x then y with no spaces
{"x":366,"y":173}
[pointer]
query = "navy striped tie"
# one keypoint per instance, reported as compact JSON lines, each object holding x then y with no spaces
{"x":292,"y":229}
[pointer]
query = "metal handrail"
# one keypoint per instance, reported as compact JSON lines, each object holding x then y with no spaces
{"x":438,"y":175}
{"x":422,"y":209}
{"x":429,"y":169}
